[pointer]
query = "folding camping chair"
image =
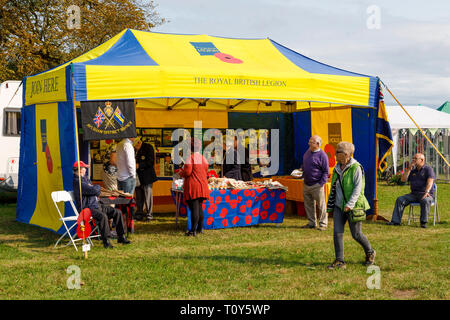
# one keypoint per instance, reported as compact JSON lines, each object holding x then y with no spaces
{"x":417,"y":204}
{"x":67,"y":196}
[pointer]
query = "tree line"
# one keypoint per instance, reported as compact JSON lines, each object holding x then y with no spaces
{"x":36,"y":35}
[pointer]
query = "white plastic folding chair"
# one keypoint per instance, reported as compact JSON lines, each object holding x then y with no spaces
{"x":417,"y":204}
{"x":67,"y":196}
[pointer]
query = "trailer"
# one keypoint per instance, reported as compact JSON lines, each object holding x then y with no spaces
{"x":10,"y":115}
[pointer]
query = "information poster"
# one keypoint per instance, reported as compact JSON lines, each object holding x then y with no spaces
{"x":163,"y":163}
{"x":152,"y":136}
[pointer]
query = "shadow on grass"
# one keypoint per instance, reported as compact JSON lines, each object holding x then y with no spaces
{"x":255,"y":261}
{"x":27,"y":235}
{"x":166,"y":223}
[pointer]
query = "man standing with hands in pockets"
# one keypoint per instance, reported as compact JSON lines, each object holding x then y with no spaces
{"x":315,"y":173}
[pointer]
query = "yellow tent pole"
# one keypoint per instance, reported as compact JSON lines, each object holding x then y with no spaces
{"x":445,"y":160}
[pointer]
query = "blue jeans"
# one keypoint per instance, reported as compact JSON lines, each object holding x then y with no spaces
{"x":127,"y":185}
{"x":405,"y":200}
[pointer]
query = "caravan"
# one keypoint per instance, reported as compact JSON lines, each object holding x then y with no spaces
{"x":10,"y":112}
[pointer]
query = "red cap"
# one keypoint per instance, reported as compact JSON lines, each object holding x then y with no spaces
{"x":81,"y":164}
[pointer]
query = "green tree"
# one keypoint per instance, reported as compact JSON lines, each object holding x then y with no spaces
{"x":36,"y":35}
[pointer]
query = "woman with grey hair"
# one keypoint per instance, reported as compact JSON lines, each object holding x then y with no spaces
{"x":347,"y":194}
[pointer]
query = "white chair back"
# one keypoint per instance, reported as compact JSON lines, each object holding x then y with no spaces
{"x":58,"y":196}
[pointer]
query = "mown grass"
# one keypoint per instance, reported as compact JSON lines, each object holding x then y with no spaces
{"x":261,"y":262}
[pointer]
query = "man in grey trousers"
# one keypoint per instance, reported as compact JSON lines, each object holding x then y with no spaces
{"x":315,"y":173}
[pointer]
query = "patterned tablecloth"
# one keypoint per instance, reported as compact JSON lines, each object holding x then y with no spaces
{"x":227,"y":208}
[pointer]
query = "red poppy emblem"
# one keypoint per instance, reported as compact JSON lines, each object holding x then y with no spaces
{"x":225,"y":57}
{"x":279,"y":207}
{"x":212,"y":208}
{"x":223,"y":212}
{"x":264,"y":215}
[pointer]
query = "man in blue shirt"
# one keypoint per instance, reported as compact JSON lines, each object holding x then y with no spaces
{"x":421,"y":178}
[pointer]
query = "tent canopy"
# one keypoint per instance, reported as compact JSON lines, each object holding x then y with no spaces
{"x":147,"y":65}
{"x":176,"y":79}
{"x":425,"y":117}
{"x":445,"y":107}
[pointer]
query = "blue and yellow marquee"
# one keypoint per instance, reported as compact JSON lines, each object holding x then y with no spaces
{"x":176,"y":79}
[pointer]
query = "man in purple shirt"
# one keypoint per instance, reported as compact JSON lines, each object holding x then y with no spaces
{"x":315,"y":174}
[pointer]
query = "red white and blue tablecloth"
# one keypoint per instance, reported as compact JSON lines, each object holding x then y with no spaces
{"x":227,"y":208}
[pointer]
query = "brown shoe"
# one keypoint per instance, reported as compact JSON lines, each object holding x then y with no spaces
{"x":307,"y":226}
{"x":337,"y":264}
{"x":322,"y":228}
{"x":370,"y":258}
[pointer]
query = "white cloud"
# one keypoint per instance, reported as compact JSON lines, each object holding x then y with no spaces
{"x":410,"y":52}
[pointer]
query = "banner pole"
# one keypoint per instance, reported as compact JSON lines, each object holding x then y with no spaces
{"x":78,"y":153}
{"x":445,"y":160}
{"x":375,"y":201}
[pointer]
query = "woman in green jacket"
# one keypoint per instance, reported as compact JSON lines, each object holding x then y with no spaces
{"x":347,"y":194}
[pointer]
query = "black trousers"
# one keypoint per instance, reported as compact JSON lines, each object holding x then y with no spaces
{"x":197,"y":214}
{"x":102,"y":216}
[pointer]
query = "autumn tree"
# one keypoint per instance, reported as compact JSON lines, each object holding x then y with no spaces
{"x":36,"y":35}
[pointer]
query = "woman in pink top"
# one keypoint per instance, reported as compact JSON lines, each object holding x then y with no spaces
{"x":195,"y":187}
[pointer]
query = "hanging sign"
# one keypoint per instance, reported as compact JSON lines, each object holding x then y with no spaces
{"x":102,"y":120}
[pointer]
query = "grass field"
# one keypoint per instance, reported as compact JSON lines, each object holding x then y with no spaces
{"x":262,"y":262}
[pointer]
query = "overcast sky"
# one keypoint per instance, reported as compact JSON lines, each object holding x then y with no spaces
{"x":405,"y":43}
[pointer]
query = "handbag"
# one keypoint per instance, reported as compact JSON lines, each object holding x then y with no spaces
{"x":354,"y":215}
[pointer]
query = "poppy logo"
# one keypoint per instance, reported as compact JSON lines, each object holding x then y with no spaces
{"x":209,"y":49}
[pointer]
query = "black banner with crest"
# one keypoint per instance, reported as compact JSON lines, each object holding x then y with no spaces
{"x":102,"y":120}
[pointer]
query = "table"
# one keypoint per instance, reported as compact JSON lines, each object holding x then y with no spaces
{"x":295,"y":190}
{"x":227,"y":208}
{"x":126,"y":205}
{"x":295,"y":187}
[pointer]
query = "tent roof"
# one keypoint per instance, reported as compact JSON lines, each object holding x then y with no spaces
{"x":141,"y":65}
{"x":445,"y":107}
{"x":425,"y":117}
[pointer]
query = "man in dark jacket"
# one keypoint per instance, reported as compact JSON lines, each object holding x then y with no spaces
{"x":232,"y":161}
{"x":145,"y":170}
{"x":100,"y":213}
{"x":246,"y":167}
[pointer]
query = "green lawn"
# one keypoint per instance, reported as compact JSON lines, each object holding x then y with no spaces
{"x":262,"y":262}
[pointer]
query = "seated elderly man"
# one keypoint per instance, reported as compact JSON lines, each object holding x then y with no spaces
{"x":421,"y":178}
{"x":100,"y":213}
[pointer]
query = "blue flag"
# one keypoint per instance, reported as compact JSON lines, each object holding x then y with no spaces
{"x":384,"y":135}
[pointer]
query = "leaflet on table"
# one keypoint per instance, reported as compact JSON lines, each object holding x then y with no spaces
{"x":227,"y":183}
{"x":177,"y":184}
